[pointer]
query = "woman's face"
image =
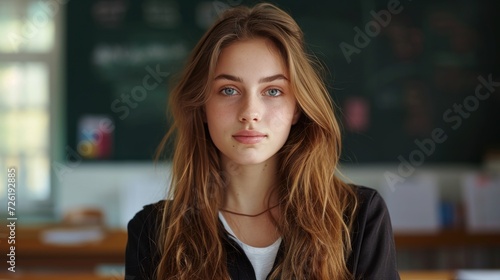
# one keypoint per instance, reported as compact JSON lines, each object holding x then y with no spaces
{"x":250,"y":109}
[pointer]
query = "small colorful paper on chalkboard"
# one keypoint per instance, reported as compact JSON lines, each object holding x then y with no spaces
{"x":95,"y":137}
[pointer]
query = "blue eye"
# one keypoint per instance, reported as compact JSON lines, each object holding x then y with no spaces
{"x":274,"y":92}
{"x":228,"y":91}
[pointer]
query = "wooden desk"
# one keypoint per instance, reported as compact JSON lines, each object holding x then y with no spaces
{"x":78,"y":262}
{"x":427,"y":275}
{"x":413,"y":275}
{"x":406,"y":275}
{"x":446,"y":239}
{"x":56,"y":276}
{"x":33,"y":254}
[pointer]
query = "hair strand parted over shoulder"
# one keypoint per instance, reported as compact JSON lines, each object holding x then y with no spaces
{"x":317,"y":207}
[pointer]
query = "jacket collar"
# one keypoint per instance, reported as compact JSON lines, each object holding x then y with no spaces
{"x":238,"y":264}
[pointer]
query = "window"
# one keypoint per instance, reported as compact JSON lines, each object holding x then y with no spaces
{"x":29,"y":84}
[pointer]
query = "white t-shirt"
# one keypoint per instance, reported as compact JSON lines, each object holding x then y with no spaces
{"x":262,"y":258}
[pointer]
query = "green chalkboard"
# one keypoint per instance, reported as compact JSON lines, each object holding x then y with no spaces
{"x":403,"y":74}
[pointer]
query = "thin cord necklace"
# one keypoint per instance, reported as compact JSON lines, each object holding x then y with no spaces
{"x":247,"y":215}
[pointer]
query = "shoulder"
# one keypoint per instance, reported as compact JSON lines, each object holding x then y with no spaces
{"x":145,"y":224}
{"x":373,"y":254}
{"x":368,"y":196}
{"x":149,"y":212}
{"x":370,"y":205}
{"x":371,"y":213}
{"x":143,"y":227}
{"x":365,"y":194}
{"x":148,"y":218}
{"x":142,"y":251}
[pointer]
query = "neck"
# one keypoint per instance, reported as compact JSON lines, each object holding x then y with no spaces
{"x":251,"y":188}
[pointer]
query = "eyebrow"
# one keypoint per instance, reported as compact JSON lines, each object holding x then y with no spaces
{"x":240,"y":80}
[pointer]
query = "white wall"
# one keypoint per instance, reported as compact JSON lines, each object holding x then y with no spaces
{"x":448,"y":177}
{"x":122,"y":189}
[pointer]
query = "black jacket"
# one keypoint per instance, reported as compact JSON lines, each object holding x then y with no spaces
{"x":373,"y":253}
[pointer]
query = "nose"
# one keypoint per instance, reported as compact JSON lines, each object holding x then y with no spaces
{"x":250,"y":109}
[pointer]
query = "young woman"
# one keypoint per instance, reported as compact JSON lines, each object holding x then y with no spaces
{"x":253,"y":193}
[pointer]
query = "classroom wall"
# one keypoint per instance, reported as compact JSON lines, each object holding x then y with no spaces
{"x":120,"y":190}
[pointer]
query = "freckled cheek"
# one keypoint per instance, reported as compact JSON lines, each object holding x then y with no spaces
{"x":222,"y":120}
{"x":213,"y":121}
{"x":281,"y":119}
{"x":218,"y":112}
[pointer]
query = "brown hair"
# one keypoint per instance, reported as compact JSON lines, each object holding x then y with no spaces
{"x":317,"y":207}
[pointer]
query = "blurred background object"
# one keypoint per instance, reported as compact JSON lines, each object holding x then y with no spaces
{"x":83,"y":90}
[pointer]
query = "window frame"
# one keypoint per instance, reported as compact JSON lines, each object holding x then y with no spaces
{"x":44,"y":209}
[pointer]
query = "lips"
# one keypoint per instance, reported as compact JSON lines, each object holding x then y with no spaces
{"x":249,"y":136}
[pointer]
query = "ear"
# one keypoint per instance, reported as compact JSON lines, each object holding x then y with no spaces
{"x":296,"y":115}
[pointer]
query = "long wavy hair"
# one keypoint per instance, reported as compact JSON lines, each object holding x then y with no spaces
{"x":317,"y":208}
